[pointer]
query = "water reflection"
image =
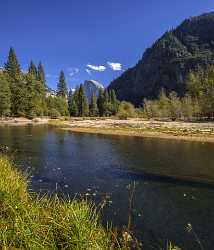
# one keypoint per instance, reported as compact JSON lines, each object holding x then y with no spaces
{"x":103,"y":166}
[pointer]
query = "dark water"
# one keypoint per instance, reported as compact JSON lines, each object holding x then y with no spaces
{"x":100,"y":166}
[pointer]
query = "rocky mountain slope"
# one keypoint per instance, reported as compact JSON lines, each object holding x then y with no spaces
{"x":92,"y":86}
{"x":167,"y":63}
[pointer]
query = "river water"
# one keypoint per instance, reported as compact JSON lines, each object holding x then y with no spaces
{"x":100,"y":167}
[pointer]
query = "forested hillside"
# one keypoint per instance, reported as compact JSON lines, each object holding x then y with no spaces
{"x":169,"y":61}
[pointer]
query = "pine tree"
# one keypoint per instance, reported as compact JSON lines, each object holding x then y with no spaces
{"x":100,"y":102}
{"x":5,"y":96}
{"x":82,"y":102}
{"x":93,"y":105}
{"x":114,"y":102}
{"x":35,"y":103}
{"x":32,"y":69}
{"x":41,"y":74}
{"x":19,"y":97}
{"x":72,"y":103}
{"x":62,"y":86}
{"x":12,"y":66}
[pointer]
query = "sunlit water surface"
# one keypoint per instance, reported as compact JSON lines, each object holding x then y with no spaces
{"x":100,"y":167}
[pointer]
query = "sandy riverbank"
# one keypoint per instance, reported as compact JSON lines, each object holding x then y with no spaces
{"x":20,"y":121}
{"x":189,"y":131}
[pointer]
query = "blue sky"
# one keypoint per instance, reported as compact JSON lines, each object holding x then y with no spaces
{"x":93,"y":39}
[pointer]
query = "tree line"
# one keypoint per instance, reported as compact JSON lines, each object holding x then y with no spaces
{"x":105,"y":104}
{"x":26,"y":94}
{"x":198,"y":103}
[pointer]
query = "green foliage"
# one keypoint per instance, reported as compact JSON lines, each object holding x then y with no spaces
{"x":12,"y":66}
{"x":93,"y":106}
{"x":126,"y":110}
{"x":73,"y":103}
{"x":30,"y":222}
{"x":41,"y":74}
{"x":168,"y":62}
{"x":57,"y":103}
{"x":101,"y":102}
{"x":5,"y":96}
{"x":62,"y":90}
{"x":107,"y":103}
{"x":25,"y":94}
{"x":53,"y":113}
{"x":32,"y":69}
{"x":83,"y":108}
{"x":196,"y":104}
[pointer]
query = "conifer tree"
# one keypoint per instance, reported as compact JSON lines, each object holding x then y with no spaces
{"x":5,"y":96}
{"x":12,"y":66}
{"x":19,"y":97}
{"x":100,"y":102}
{"x":32,"y":69}
{"x":72,"y":103}
{"x":41,"y":74}
{"x":62,"y":86}
{"x":93,"y":105}
{"x":114,"y":102}
{"x":82,"y":102}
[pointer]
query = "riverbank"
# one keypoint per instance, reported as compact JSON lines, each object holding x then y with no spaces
{"x":21,"y":121}
{"x":188,"y":131}
{"x":30,"y":222}
{"x":137,"y":127}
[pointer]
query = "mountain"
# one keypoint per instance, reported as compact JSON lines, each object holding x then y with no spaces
{"x":167,"y":63}
{"x":92,"y":86}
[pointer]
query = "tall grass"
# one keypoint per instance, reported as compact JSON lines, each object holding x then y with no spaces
{"x":29,"y":222}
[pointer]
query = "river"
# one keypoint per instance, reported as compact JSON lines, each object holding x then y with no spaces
{"x":100,"y":167}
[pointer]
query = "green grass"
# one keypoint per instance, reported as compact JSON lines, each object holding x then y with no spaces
{"x":29,"y":222}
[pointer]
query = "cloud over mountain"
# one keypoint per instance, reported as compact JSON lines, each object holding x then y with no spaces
{"x":115,"y":66}
{"x":99,"y":68}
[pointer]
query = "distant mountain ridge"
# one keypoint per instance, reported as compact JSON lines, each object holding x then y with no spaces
{"x":167,"y":63}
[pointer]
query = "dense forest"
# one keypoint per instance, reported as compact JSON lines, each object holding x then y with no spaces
{"x":26,"y":94}
{"x":198,"y":103}
{"x":167,"y":64}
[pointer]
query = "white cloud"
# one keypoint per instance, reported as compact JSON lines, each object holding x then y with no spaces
{"x":73,"y":71}
{"x":88,"y":71}
{"x":100,"y":68}
{"x":115,"y":66}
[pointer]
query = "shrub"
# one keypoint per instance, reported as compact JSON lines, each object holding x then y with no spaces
{"x":126,"y":110}
{"x":54,"y":114}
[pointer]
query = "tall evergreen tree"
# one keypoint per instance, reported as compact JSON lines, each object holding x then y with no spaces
{"x":114,"y":102}
{"x":32,"y":69}
{"x":62,"y":90}
{"x":19,"y":97}
{"x":93,"y":105}
{"x":5,"y":96}
{"x":100,"y":102}
{"x":41,"y":74}
{"x":82,"y":102}
{"x":72,"y":103}
{"x":12,"y":66}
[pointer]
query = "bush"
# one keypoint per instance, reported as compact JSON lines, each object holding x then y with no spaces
{"x":54,"y":114}
{"x":126,"y":110}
